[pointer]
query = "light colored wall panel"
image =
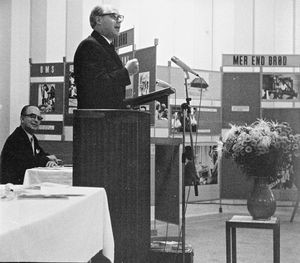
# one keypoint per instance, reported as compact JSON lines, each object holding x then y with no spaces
{"x":5,"y":40}
{"x":19,"y":60}
{"x":283,"y":27}
{"x":183,"y":34}
{"x":167,"y":23}
{"x":74,"y":27}
{"x":149,"y":21}
{"x":202,"y":32}
{"x":14,"y":67}
{"x":183,"y":29}
{"x":264,"y":27}
{"x":77,"y":23}
{"x":223,"y":30}
{"x":38,"y":31}
{"x":297,"y":26}
{"x":48,"y":30}
{"x":56,"y":30}
{"x":243,"y":26}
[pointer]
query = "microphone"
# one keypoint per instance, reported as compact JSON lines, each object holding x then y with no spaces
{"x":163,"y":84}
{"x":182,"y":65}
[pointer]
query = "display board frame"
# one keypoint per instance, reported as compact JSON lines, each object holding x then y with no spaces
{"x":47,"y":90}
{"x":278,"y":90}
{"x":205,"y":120}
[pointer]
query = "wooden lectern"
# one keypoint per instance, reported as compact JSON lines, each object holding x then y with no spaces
{"x":111,"y":149}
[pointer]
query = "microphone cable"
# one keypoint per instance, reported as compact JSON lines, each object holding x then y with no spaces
{"x":198,"y":117}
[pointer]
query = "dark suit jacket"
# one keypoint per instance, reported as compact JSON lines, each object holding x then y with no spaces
{"x":100,"y":76}
{"x":17,"y":156}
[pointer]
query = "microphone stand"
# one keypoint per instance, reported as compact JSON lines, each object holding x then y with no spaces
{"x":186,"y":110}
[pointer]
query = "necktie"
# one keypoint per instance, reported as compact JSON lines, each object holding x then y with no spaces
{"x":32,"y":145}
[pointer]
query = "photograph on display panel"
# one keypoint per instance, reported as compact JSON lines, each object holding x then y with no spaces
{"x":70,"y":102}
{"x":71,"y":89}
{"x":177,"y":120}
{"x":280,"y":86}
{"x":206,"y":163}
{"x":143,"y":84}
{"x":204,"y":120}
{"x":47,"y":96}
{"x":161,"y":110}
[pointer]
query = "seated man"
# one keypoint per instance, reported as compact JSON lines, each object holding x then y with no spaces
{"x":21,"y":150}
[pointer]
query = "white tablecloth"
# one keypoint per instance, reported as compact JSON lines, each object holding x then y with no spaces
{"x":59,"y":175}
{"x":71,"y":229}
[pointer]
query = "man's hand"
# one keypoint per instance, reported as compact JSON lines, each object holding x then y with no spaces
{"x":51,"y":164}
{"x":54,"y":159}
{"x":132,"y":66}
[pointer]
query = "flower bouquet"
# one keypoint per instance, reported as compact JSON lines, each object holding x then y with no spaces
{"x":264,"y":149}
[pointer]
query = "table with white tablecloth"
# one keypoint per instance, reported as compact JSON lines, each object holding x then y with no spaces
{"x":59,"y":175}
{"x":57,"y":224}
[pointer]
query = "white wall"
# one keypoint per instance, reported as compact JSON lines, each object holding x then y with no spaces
{"x":38,"y":39}
{"x":200,"y":31}
{"x":197,"y":31}
{"x":296,"y":12}
{"x":74,"y":27}
{"x":48,"y":30}
{"x":14,"y":57}
{"x":5,"y":27}
{"x":184,"y":28}
{"x":19,"y":60}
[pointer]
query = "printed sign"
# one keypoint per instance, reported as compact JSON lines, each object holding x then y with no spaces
{"x":50,"y":127}
{"x":46,"y":69}
{"x":125,"y":38}
{"x":242,"y":60}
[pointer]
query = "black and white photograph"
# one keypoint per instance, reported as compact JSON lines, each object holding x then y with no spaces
{"x":46,"y":102}
{"x":163,"y":131}
{"x":280,"y":87}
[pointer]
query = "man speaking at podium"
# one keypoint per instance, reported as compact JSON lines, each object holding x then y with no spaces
{"x":100,"y":76}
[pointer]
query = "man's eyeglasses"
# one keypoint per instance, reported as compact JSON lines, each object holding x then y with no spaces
{"x":33,"y":116}
{"x":116,"y":17}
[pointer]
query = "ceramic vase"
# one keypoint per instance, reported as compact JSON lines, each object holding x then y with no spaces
{"x":261,"y":203}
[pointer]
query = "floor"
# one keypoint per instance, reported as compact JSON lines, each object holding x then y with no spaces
{"x":205,"y":232}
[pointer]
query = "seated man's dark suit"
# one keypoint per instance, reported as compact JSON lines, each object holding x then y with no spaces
{"x":17,"y":156}
{"x":100,"y":76}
